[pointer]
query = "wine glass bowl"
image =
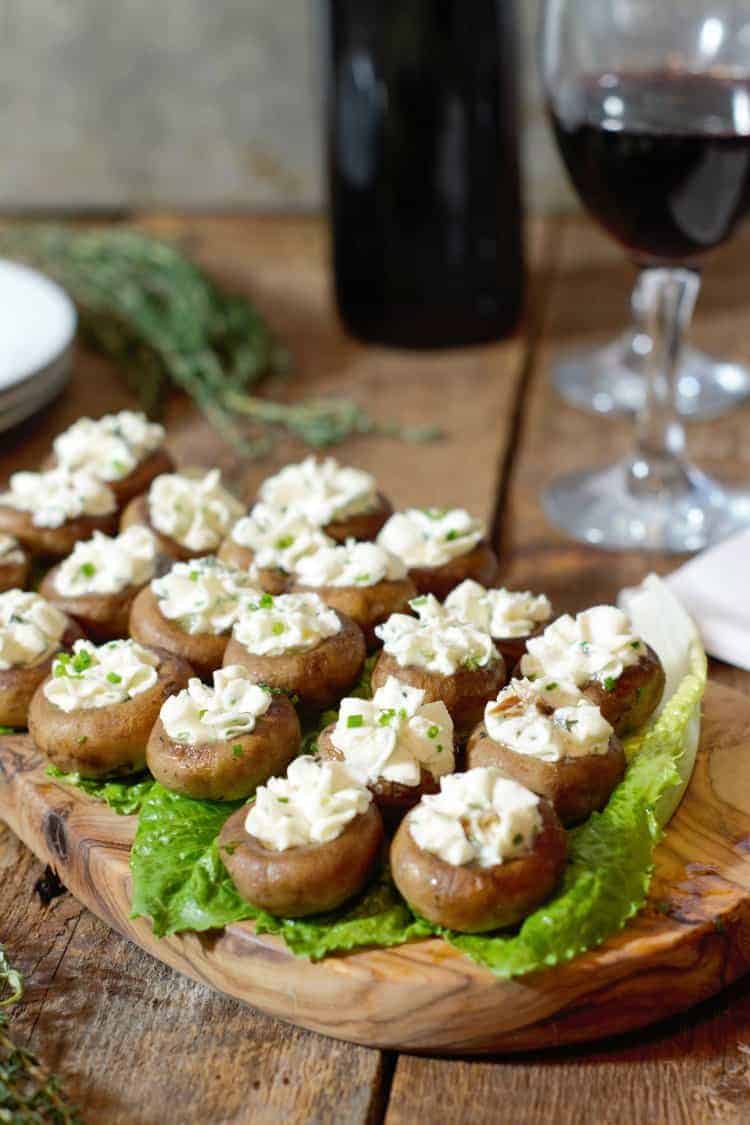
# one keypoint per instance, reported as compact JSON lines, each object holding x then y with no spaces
{"x":650,"y":105}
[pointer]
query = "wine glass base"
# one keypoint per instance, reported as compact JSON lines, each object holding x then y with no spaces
{"x":596,"y":507}
{"x":605,"y":381}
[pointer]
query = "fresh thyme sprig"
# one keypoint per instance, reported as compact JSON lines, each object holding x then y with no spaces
{"x":162,"y":319}
{"x":29,"y":1094}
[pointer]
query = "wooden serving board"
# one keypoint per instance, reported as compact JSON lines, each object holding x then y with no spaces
{"x":691,"y":940}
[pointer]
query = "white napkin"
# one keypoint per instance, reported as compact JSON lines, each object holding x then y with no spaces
{"x":714,"y":588}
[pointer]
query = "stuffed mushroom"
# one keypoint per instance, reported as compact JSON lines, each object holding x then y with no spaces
{"x":308,"y":842}
{"x":219,"y":743}
{"x":554,"y":741}
{"x":97,"y":583}
{"x":480,"y":855}
{"x":270,"y":544}
{"x":509,"y":616}
{"x":96,"y":710}
{"x":49,"y":512}
{"x":296,"y":643}
{"x":32,"y":632}
{"x":598,"y":653}
{"x":360,"y":579}
{"x":124,"y":450}
{"x":396,"y":743}
{"x":446,"y":658}
{"x":190,"y":512}
{"x":191,"y":610}
{"x":15,"y":564}
{"x":442,"y":547}
{"x":344,"y":502}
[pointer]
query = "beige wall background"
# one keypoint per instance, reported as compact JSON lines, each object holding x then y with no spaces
{"x":199,"y":103}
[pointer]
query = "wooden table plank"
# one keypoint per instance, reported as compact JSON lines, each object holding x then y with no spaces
{"x":94,"y":1000}
{"x":694,"y":1068}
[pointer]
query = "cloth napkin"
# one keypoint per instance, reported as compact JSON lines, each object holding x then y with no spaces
{"x":714,"y":588}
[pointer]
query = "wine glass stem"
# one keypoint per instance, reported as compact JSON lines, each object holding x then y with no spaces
{"x":667,"y":298}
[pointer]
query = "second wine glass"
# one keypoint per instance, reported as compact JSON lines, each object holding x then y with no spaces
{"x":650,"y":101}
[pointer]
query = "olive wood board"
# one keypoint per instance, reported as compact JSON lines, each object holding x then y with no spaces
{"x":691,"y":939}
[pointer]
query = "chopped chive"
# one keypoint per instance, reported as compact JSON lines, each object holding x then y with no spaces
{"x":355,"y":721}
{"x":265,"y":601}
{"x":237,"y":750}
{"x":278,"y":628}
{"x":609,"y":683}
{"x":88,"y":570}
{"x":433,"y":732}
{"x":113,"y":678}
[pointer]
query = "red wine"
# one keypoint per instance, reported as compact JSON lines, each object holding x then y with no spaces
{"x":424,"y":169}
{"x":661,"y":159}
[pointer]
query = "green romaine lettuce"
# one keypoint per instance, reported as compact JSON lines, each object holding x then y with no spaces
{"x":125,"y":795}
{"x":180,"y":882}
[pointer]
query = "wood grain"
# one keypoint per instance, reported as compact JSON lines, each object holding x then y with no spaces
{"x":693,"y":1068}
{"x":425,"y":996}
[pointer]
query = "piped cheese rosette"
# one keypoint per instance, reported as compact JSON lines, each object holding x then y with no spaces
{"x":547,"y":720}
{"x":109,"y":447}
{"x":271,"y":626}
{"x":435,"y":640}
{"x":354,"y":563}
{"x":322,"y":491}
{"x":501,"y":613}
{"x":597,"y":644}
{"x":394,"y":736}
{"x":53,"y":498}
{"x":100,"y":676}
{"x":30,"y":629}
{"x":204,"y":596}
{"x":278,"y":539}
{"x":194,"y":510}
{"x":313,"y":804}
{"x":201,"y":714}
{"x":427,"y":537}
{"x":108,"y":564}
{"x":478,"y":817}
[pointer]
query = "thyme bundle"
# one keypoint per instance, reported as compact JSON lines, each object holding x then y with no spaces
{"x":163,"y":320}
{"x":29,"y":1095}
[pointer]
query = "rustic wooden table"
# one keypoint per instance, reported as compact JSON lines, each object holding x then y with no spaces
{"x":136,"y":1043}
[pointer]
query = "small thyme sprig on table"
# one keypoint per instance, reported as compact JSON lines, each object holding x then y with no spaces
{"x":163,"y":320}
{"x":29,"y":1094}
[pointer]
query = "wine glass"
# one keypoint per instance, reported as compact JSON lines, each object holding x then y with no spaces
{"x":650,"y":102}
{"x":611,"y":379}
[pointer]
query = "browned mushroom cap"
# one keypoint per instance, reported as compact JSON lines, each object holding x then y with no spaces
{"x":14,"y":573}
{"x":105,"y":741}
{"x":465,"y":693}
{"x":18,"y":684}
{"x":52,"y":542}
{"x":634,"y":696}
{"x":576,"y":787}
{"x":149,"y":626}
{"x":367,"y":605}
{"x":361,"y":525}
{"x":392,"y":798}
{"x":137,"y":481}
{"x":474,"y":899}
{"x":318,"y":676}
{"x":231,"y":769}
{"x":302,"y":880}
{"x":271,"y":579}
{"x":480,"y":564}
{"x":103,"y":617}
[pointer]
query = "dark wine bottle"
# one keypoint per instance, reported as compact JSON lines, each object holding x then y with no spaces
{"x":423,"y":164}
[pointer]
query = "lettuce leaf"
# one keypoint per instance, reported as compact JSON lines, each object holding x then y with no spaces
{"x":379,"y":916}
{"x":178,"y":878}
{"x":611,"y":855}
{"x":180,"y":882}
{"x":125,"y":795}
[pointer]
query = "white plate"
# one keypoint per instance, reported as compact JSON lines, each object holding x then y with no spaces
{"x":37,"y":327}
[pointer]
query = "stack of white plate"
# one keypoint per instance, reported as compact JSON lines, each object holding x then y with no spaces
{"x":37,"y":327}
